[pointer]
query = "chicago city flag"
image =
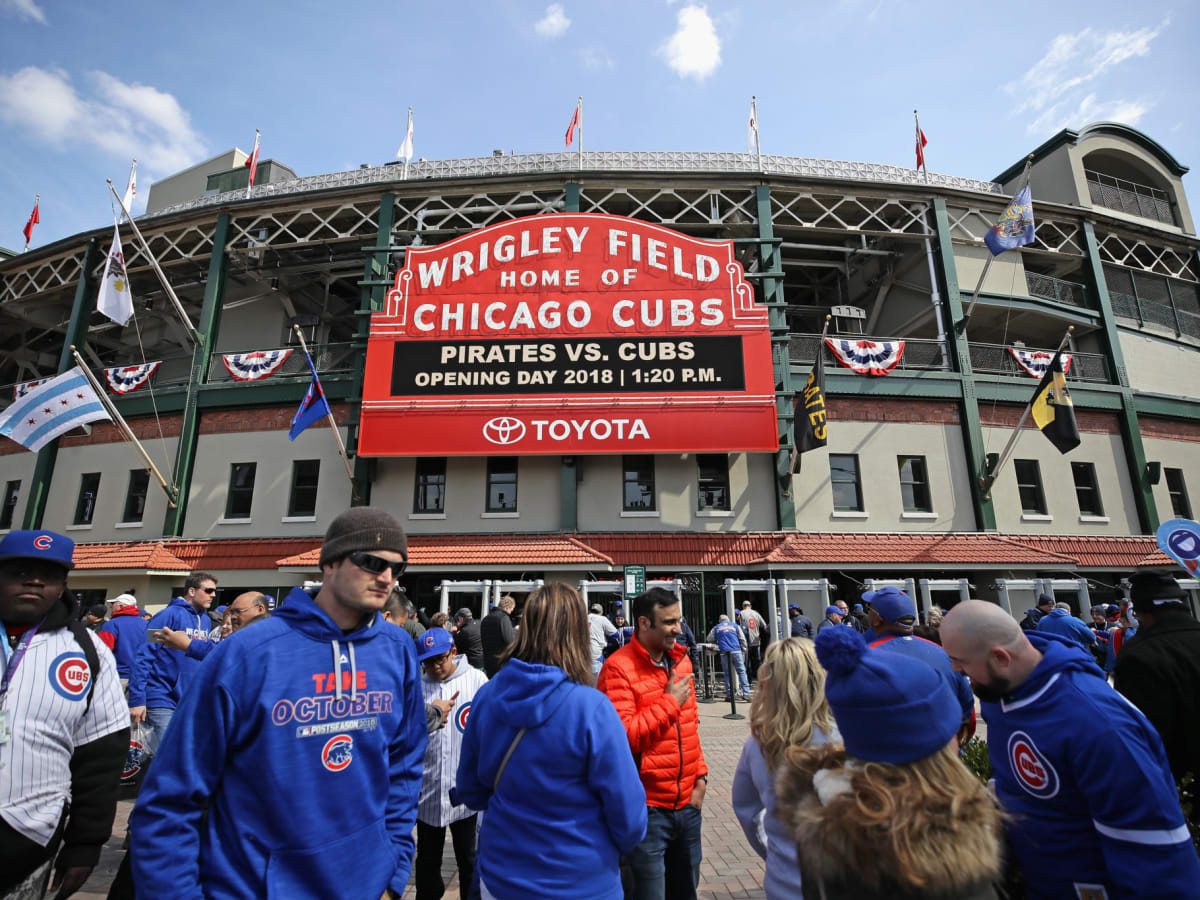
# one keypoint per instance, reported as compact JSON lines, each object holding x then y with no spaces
{"x":115,"y":299}
{"x":1052,"y":409}
{"x":51,"y":409}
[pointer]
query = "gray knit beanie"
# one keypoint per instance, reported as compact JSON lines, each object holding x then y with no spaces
{"x":363,"y":528}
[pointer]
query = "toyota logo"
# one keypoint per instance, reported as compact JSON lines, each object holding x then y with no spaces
{"x":504,"y":430}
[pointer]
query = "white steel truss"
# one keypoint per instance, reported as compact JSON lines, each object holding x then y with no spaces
{"x":970,"y":224}
{"x":677,"y":206}
{"x":1134,"y":253}
{"x":846,"y":211}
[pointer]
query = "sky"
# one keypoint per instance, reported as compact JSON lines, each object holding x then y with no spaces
{"x":86,"y":87}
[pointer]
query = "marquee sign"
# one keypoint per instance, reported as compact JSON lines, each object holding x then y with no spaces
{"x":570,"y":333}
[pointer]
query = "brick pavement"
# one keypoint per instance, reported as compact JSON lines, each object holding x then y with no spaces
{"x":730,"y":870}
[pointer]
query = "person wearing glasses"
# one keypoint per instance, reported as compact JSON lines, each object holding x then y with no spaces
{"x":294,"y":765}
{"x":161,"y":673}
{"x":247,"y":608}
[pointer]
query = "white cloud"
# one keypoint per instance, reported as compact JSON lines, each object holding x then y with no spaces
{"x":596,"y":59}
{"x":554,"y":23}
{"x":122,"y":120}
{"x":24,"y":9}
{"x":1053,"y":89}
{"x":694,"y":50}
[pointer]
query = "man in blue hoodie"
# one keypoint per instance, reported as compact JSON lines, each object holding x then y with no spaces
{"x":1060,"y":621}
{"x":1082,"y":774}
{"x":293,"y":766}
{"x":160,"y":674}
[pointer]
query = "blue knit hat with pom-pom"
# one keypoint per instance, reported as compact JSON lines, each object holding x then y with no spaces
{"x":889,"y":708}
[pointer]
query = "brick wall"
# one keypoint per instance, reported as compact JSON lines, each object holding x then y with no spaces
{"x":1169,"y":429}
{"x":272,"y":418}
{"x":1007,"y":416}
{"x":889,"y":409}
{"x":144,"y":429}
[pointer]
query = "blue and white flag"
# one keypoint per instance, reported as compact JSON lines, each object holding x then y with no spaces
{"x":313,"y":407}
{"x":1015,"y":227}
{"x":50,"y":409}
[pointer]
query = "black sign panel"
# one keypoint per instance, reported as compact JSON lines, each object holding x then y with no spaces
{"x":598,"y":365}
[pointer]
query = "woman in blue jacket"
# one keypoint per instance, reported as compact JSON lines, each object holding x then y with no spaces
{"x":545,"y":754}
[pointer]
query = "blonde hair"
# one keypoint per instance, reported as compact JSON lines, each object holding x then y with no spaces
{"x":901,"y":817}
{"x":790,"y":699}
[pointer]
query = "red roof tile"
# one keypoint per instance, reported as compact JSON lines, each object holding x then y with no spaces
{"x":677,"y":549}
{"x":240,"y":553}
{"x":915,"y":549}
{"x":148,"y":555}
{"x":527,"y":550}
{"x":1096,"y":552}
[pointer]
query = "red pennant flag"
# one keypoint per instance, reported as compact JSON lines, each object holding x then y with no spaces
{"x":574,"y":124}
{"x":252,"y":162}
{"x":921,"y":142}
{"x":34,"y":219}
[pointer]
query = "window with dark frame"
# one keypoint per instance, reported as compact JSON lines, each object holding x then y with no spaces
{"x":638,"y":480}
{"x":1181,"y":507}
{"x":501,"y":484}
{"x":713,"y":481}
{"x":12,"y":491}
{"x":914,"y":484}
{"x":1087,"y":489}
{"x":135,"y":495}
{"x":85,"y":506}
{"x":1029,"y":486}
{"x":241,"y":490}
{"x":306,"y":474}
{"x":429,"y":494}
{"x":844,"y":479}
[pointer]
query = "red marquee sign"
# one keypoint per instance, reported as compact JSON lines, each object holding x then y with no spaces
{"x":571,"y":333}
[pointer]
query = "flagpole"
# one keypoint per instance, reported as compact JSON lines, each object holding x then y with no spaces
{"x":37,"y":200}
{"x":581,"y":132}
{"x":157,"y":269}
{"x":123,"y":426}
{"x":337,"y":435}
{"x":921,"y":146}
{"x":795,"y":404}
{"x":407,"y":146}
{"x":757,"y":141}
{"x":987,"y":479}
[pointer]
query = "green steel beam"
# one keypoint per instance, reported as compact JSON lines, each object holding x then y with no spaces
{"x":206,"y":333}
{"x":1064,"y":311}
{"x":1084,"y":396}
{"x":571,"y":197}
{"x":771,"y":283}
{"x":927,"y":385}
{"x":972,"y":426}
{"x":77,"y":331}
{"x":568,"y":493}
{"x":1158,"y":405}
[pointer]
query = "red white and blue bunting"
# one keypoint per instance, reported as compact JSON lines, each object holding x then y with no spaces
{"x":20,"y":390}
{"x":122,"y":380}
{"x":254,"y":365}
{"x":866,"y":357}
{"x":1036,"y":362}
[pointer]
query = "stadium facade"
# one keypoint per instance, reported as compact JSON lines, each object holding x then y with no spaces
{"x":889,"y":254}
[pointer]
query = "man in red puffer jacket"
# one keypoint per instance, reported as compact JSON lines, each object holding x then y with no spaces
{"x":649,"y":681}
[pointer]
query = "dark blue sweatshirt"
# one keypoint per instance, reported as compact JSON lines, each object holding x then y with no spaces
{"x":305,"y":746}
{"x":160,"y":674}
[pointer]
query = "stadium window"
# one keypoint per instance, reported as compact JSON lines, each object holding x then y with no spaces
{"x":85,"y":505}
{"x":638,"y":479}
{"x":502,"y":484}
{"x":914,"y":484}
{"x":843,"y":476}
{"x":429,"y":495}
{"x":302,"y":502}
{"x":241,"y":490}
{"x":713,"y":480}
{"x":12,"y":491}
{"x":1181,"y":507}
{"x":135,"y":495}
{"x":1029,"y":485}
{"x":1087,"y":489}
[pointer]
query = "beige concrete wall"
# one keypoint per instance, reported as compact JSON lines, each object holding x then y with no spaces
{"x":1102,"y":142}
{"x":17,"y":467}
{"x":256,"y":326}
{"x":1183,"y":455}
{"x":114,"y":462}
{"x":191,"y":183}
{"x":274,"y":454}
{"x":1058,"y":486}
{"x":1054,"y":179}
{"x":877,"y":445}
{"x":1006,"y":275}
{"x":1160,"y":365}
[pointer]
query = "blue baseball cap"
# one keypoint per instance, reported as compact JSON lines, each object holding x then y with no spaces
{"x":434,"y":642}
{"x":891,"y":603}
{"x":830,"y":610}
{"x":44,"y":545}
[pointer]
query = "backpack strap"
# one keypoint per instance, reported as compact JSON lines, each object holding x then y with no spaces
{"x":507,"y":757}
{"x":84,"y":640}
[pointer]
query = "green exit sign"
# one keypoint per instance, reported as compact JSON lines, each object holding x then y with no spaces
{"x":635,"y":580}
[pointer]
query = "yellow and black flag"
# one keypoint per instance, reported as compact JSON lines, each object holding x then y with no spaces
{"x":1053,"y":410}
{"x":811,"y":428}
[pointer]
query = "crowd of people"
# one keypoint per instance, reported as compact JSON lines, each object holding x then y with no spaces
{"x":328,"y":753}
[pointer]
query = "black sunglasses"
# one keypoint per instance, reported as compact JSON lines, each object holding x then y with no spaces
{"x":376,"y":565}
{"x":209,"y":590}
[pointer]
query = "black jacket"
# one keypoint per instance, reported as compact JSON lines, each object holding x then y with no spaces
{"x":1159,"y":673}
{"x":467,"y":642}
{"x":496,"y":632}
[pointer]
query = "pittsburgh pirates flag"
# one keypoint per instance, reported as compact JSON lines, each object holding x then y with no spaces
{"x":1053,"y":410}
{"x":811,"y":429}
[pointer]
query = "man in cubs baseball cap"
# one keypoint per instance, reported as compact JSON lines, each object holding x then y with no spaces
{"x":43,"y":545}
{"x":434,"y":642}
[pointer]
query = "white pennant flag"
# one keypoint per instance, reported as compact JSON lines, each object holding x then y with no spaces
{"x":752,"y":129}
{"x":406,"y":149}
{"x":115,"y":299}
{"x":131,"y":190}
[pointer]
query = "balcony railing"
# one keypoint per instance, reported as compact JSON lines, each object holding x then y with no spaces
{"x":1049,"y":288}
{"x":920,"y":354}
{"x":1149,"y":312}
{"x":1129,"y":197}
{"x":995,"y":359}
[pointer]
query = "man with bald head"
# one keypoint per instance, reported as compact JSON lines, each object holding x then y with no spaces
{"x":245,"y":609}
{"x":1082,"y":774}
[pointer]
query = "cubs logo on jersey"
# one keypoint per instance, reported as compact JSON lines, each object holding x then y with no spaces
{"x":1031,"y":768}
{"x":338,"y":752}
{"x":461,"y":716}
{"x":69,"y":675}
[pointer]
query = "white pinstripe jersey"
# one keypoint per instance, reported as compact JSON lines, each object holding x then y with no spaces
{"x":45,"y":709}
{"x":445,"y":744}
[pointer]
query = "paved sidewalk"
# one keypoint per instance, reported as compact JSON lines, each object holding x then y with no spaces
{"x":730,"y":871}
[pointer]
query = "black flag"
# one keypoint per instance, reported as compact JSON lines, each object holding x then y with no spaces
{"x":810,"y":428}
{"x":1052,"y":409}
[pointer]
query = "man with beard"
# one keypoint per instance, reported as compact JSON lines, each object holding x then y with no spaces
{"x":1082,"y":774}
